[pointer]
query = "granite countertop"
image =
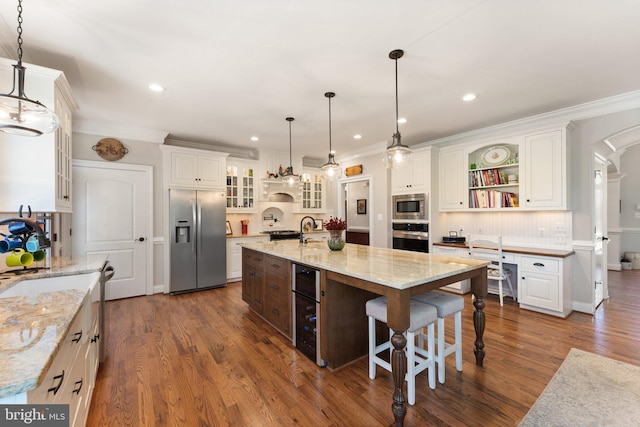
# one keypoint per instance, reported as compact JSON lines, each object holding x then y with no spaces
{"x":556,"y":253}
{"x":32,"y":328}
{"x":390,"y":267}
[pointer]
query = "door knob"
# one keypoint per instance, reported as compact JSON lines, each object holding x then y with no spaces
{"x":141,"y":239}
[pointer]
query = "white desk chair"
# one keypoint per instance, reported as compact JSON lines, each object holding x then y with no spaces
{"x":421,"y":316}
{"x":491,"y":250}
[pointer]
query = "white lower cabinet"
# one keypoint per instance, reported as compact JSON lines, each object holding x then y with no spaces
{"x":464,"y":286}
{"x":66,"y":380}
{"x":541,"y":284}
{"x":234,"y":254}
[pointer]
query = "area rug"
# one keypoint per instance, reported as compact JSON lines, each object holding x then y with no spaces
{"x":588,"y":390}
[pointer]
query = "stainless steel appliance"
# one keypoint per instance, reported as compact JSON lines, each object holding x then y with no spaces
{"x":411,"y":236}
{"x":306,"y":312}
{"x":106,"y":274}
{"x":282,"y":234}
{"x":198,"y":239}
{"x":410,"y":207}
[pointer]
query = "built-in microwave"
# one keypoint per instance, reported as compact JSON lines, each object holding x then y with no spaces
{"x":411,"y":207}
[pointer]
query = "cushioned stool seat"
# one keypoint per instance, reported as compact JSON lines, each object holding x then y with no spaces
{"x":418,"y":359}
{"x":446,"y":304}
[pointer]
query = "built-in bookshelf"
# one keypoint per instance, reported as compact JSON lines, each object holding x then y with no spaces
{"x":494,"y":177}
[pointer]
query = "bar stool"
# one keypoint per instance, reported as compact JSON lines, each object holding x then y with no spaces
{"x":421,"y":316}
{"x":446,"y":305}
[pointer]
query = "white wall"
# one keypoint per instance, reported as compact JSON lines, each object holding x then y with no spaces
{"x":380,"y":206}
{"x":140,"y":153}
{"x":630,"y":198}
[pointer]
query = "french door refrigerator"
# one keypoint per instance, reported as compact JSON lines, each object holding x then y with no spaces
{"x":198,"y":239}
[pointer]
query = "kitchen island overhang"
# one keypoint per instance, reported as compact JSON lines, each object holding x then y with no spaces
{"x":379,"y":271}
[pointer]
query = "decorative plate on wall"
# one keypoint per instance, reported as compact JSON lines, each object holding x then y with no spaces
{"x":495,"y":156}
{"x":110,"y":149}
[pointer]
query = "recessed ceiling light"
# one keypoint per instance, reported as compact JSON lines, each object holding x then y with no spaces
{"x":358,"y":136}
{"x":402,"y":120}
{"x":255,"y":138}
{"x":469,"y":97}
{"x":156,"y":87}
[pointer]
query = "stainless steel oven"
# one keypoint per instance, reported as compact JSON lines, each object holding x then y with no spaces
{"x":411,"y":236}
{"x":410,"y":207}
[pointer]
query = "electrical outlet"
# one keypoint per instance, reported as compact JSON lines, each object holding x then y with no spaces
{"x":461,"y":229}
{"x":560,"y":240}
{"x":540,"y":232}
{"x":561,"y":227}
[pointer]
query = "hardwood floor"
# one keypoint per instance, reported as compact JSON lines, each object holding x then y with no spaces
{"x":203,"y":359}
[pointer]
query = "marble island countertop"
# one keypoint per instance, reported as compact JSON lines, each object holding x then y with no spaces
{"x":32,"y":328}
{"x":394,"y":268}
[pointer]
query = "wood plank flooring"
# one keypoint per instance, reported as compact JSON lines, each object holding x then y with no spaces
{"x":203,"y":359}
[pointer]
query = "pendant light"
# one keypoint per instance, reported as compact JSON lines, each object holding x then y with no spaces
{"x":331,"y":170}
{"x":289,"y":179}
{"x":20,"y":115}
{"x":397,"y":155}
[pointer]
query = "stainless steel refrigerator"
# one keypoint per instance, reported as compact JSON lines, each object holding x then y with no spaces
{"x":198,"y":239}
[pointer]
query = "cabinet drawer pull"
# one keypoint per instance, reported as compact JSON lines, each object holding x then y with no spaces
{"x":79,"y":385}
{"x":55,"y":388}
{"x":95,"y":338}
{"x":538,"y":264}
{"x":275,"y":287}
{"x":275,"y":266}
{"x":275,"y":311}
{"x":78,"y":336}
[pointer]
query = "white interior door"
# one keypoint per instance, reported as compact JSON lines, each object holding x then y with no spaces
{"x":600,"y":222}
{"x":111,"y":215}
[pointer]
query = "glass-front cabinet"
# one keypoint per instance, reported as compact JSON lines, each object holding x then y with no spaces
{"x":241,"y":186}
{"x":313,"y":191}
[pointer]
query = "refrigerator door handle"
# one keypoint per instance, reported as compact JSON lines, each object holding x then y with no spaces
{"x":193,"y":232}
{"x":199,"y":227}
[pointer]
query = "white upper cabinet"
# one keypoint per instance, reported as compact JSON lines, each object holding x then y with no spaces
{"x":415,"y":177}
{"x":521,"y":172}
{"x":453,"y":187}
{"x":545,"y":168}
{"x":241,"y":185}
{"x":313,"y":191}
{"x":36,"y":171}
{"x":192,"y":168}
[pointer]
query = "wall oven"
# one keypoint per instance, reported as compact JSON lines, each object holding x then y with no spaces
{"x":410,"y":236}
{"x":410,"y":207}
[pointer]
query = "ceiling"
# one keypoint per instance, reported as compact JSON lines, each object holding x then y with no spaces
{"x":236,"y":69}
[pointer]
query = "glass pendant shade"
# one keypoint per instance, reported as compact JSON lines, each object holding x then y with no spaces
{"x":397,"y":154}
{"x":289,"y":179}
{"x":19,"y":115}
{"x":331,"y":170}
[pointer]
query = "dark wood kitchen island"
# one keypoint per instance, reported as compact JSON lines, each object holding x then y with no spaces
{"x":351,"y":276}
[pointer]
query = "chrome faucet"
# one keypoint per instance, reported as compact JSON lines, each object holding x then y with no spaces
{"x":301,"y":221}
{"x":43,"y":241}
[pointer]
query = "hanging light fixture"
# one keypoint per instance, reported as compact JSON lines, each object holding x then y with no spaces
{"x":20,"y":115}
{"x":397,"y":154}
{"x":331,"y":170}
{"x":290,"y":179}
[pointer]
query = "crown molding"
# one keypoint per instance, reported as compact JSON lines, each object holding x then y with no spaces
{"x":92,"y":127}
{"x":562,"y":117}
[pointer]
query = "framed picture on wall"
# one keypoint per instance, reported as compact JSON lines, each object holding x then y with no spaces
{"x":361,"y":205}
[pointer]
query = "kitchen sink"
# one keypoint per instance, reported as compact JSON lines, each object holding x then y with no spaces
{"x":30,"y":287}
